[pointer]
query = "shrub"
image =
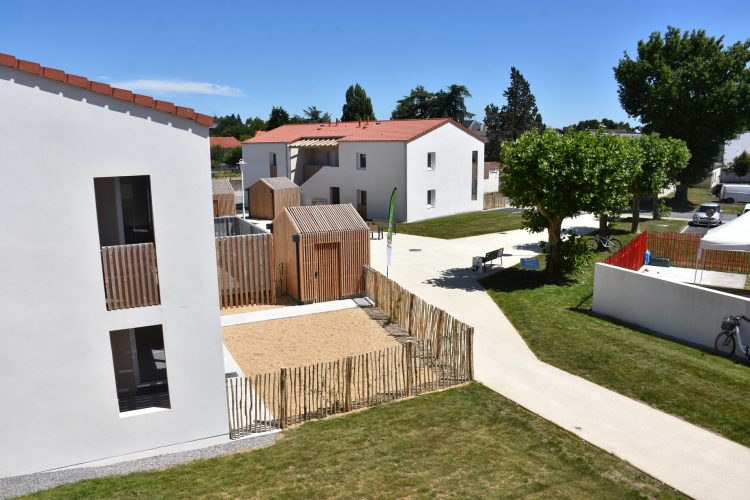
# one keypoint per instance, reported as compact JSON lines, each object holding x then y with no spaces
{"x":575,"y":254}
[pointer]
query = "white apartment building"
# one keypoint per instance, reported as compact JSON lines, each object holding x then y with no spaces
{"x":436,"y":164}
{"x":111,"y":340}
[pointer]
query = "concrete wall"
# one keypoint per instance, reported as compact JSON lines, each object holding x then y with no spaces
{"x":386,"y":169}
{"x":683,"y":311}
{"x":58,"y":397}
{"x":451,"y":178}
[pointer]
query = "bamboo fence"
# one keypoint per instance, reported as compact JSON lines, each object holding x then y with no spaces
{"x":438,"y":355}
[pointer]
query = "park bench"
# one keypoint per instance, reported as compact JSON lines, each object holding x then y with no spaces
{"x":490,"y":256}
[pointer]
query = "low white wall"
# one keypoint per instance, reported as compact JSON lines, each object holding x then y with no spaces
{"x":683,"y":311}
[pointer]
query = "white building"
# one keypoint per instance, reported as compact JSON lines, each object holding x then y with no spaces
{"x":102,"y":357}
{"x":436,"y":164}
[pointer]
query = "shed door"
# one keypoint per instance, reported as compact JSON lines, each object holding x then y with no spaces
{"x":327,"y":272}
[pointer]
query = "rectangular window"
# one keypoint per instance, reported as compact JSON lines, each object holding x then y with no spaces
{"x":140,"y":366}
{"x":431,"y":198}
{"x":272,"y":169}
{"x":361,"y":161}
{"x":474,"y":167}
{"x":361,"y":197}
{"x":123,"y":210}
{"x":335,"y":198}
{"x":430,"y":161}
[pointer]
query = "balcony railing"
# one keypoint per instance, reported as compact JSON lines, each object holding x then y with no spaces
{"x":130,"y":276}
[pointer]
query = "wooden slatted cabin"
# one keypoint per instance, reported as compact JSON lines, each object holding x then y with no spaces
{"x":269,"y":196}
{"x":223,"y":192}
{"x":320,"y":252}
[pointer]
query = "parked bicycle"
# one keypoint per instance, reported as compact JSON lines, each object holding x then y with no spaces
{"x":602,"y":241}
{"x":727,"y":341}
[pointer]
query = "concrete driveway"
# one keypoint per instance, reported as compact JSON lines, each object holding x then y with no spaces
{"x":668,"y":448}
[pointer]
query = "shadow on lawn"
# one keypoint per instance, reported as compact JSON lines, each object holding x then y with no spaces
{"x":514,"y":278}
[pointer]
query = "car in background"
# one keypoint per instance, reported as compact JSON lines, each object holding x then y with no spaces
{"x":707,"y":214}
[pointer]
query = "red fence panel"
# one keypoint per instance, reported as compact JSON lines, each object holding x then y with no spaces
{"x":631,"y":255}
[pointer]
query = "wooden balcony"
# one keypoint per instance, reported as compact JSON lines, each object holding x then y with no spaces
{"x":130,"y":276}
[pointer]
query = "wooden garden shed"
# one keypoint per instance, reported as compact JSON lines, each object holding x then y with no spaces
{"x":320,"y":252}
{"x":223,"y":192}
{"x":269,"y":196}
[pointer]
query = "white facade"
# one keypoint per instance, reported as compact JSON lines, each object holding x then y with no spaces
{"x":735,"y":147}
{"x":492,"y":182}
{"x":389,"y":164}
{"x":59,"y":402}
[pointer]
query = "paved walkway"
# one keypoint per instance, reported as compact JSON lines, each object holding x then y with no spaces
{"x":693,"y":460}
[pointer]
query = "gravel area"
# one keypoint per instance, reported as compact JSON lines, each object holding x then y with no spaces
{"x":23,"y":485}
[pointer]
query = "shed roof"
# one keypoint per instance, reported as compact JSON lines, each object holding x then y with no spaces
{"x":222,"y":186}
{"x":360,"y":131}
{"x":326,"y":218}
{"x":103,"y":88}
{"x":277,"y":183}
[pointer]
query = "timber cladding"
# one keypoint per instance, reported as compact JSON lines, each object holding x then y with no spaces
{"x":269,"y":196}
{"x":320,"y":251}
{"x":246,"y":270}
{"x":223,"y":195}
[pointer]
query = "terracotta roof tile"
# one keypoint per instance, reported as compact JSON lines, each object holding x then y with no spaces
{"x":377,"y":130}
{"x":103,"y":88}
{"x":224,"y":142}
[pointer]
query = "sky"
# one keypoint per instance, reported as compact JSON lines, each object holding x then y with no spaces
{"x":244,"y":57}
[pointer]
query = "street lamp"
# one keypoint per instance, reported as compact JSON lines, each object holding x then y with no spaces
{"x":241,"y":164}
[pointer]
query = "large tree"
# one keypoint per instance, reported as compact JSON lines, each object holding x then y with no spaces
{"x":553,"y":176}
{"x":691,"y":87}
{"x":663,"y":160}
{"x":278,"y":117}
{"x":517,"y":115}
{"x":357,"y":106}
{"x":594,"y":124}
{"x":448,"y":103}
{"x":418,"y":104}
{"x":314,"y":115}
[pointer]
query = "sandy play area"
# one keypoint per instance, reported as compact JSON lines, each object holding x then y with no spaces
{"x":269,"y":345}
{"x":283,"y":301}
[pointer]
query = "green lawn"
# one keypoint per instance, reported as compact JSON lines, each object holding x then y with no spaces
{"x":464,"y":442}
{"x":462,"y":225}
{"x":704,"y":389}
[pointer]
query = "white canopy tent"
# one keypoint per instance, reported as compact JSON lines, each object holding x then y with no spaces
{"x":734,"y":236}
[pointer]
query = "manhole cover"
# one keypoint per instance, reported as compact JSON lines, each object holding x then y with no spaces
{"x":415,"y":249}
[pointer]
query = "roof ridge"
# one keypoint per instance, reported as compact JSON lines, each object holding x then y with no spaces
{"x":103,"y":88}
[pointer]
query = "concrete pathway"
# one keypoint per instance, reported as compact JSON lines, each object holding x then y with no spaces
{"x":691,"y":459}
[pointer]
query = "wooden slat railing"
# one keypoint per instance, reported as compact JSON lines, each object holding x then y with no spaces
{"x":494,"y":200}
{"x":245,"y":267}
{"x":130,"y":276}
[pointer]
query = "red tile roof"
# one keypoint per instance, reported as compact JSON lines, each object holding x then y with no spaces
{"x":224,"y":142}
{"x":376,"y":130}
{"x":103,"y":88}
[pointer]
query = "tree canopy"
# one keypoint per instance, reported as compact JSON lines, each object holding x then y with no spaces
{"x":594,"y":124}
{"x":420,"y":103}
{"x":517,"y":115}
{"x":314,"y":115}
{"x":691,"y":87}
{"x":553,"y":176}
{"x":277,"y":118}
{"x":741,"y":164}
{"x":232,"y":125}
{"x":357,"y":106}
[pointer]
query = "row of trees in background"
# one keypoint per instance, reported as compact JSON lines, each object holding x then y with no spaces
{"x":421,"y":103}
{"x":554,"y":175}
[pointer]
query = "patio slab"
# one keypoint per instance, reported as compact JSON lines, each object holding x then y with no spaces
{"x":686,"y":275}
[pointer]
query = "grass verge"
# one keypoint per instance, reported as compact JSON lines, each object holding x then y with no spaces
{"x":462,"y":225}
{"x":704,"y":389}
{"x":464,"y":442}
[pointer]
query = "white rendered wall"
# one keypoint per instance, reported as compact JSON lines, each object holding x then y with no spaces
{"x":451,"y":178}
{"x":386,"y":169}
{"x":492,"y":183}
{"x":258,"y":159}
{"x":679,"y":310}
{"x":58,"y":400}
{"x":735,"y":147}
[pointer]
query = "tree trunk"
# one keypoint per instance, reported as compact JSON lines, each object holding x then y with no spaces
{"x":603,"y":223}
{"x":636,"y":214}
{"x":680,"y":195}
{"x":553,"y":270}
{"x":655,"y":203}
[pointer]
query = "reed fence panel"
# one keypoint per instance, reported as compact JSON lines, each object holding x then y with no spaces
{"x":246,"y":270}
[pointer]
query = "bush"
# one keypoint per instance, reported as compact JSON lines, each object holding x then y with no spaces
{"x":741,"y":164}
{"x":664,"y":209}
{"x":574,"y":252}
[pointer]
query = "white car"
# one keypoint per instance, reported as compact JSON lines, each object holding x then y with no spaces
{"x":708,"y":214}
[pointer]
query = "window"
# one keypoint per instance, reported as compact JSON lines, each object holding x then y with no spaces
{"x":361,"y":197}
{"x":273,"y":171}
{"x":431,"y":198}
{"x":474,"y":167}
{"x":140,"y":366}
{"x":334,"y":197}
{"x":430,"y":161}
{"x":361,"y":161}
{"x":123,"y":210}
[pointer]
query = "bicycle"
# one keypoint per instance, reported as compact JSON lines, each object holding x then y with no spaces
{"x":727,"y":340}
{"x":605,"y":242}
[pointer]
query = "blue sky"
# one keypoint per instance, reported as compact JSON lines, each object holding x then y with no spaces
{"x":245,"y":57}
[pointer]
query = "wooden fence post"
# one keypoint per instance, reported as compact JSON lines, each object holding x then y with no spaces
{"x":348,"y":384}
{"x":282,"y":399}
{"x":409,"y":367}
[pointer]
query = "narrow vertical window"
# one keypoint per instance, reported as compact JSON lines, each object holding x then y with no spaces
{"x":431,"y":161}
{"x":474,"y":167}
{"x":362,"y":161}
{"x":431,"y":198}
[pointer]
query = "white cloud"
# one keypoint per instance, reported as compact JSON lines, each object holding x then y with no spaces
{"x":178,"y":86}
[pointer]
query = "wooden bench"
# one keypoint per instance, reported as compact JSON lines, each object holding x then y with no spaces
{"x":490,"y":256}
